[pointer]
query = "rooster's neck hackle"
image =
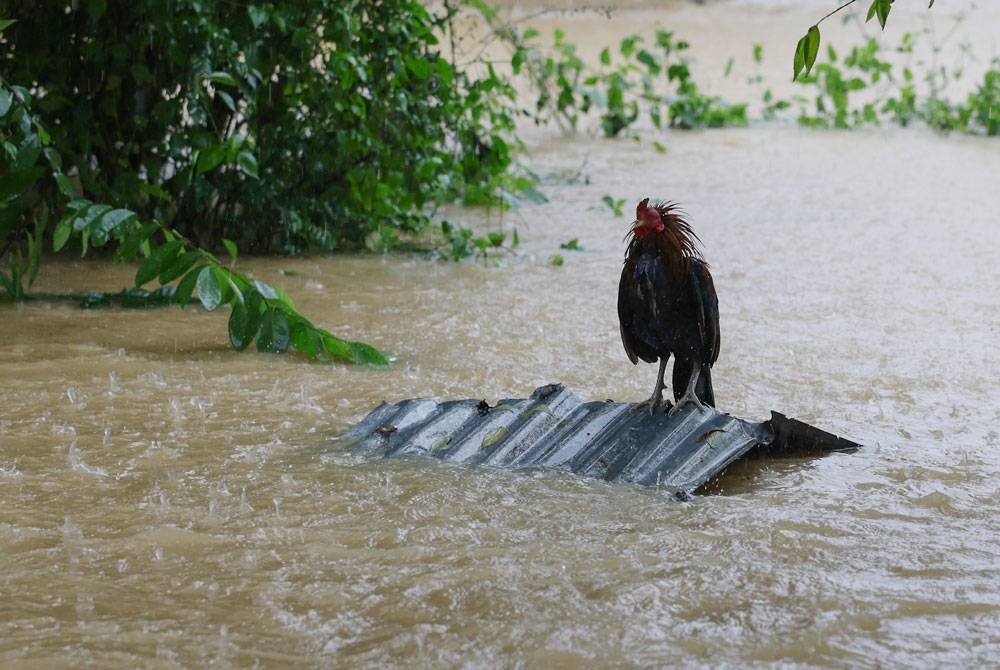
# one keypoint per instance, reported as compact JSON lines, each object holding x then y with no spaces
{"x":677,"y":243}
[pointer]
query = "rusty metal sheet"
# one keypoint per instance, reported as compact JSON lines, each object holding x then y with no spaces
{"x":607,"y":440}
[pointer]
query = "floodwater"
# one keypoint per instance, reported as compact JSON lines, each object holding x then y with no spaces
{"x":166,"y":502}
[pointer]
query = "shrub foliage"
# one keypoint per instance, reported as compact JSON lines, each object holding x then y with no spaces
{"x":281,"y":125}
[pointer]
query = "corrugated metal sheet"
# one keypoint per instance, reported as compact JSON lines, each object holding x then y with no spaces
{"x":608,"y":440}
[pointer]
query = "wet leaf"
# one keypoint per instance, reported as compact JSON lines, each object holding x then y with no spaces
{"x":178,"y":266}
{"x":274,"y":335}
{"x":209,"y":290}
{"x":186,"y":286}
{"x":151,"y":268}
{"x":244,"y":321}
{"x":365,"y":354}
{"x":305,"y":338}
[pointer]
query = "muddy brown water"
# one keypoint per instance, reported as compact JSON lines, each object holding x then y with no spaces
{"x":166,"y":502}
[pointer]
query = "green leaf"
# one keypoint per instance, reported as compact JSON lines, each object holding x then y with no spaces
{"x":65,"y":185}
{"x":517,"y":60}
{"x":799,"y":61}
{"x":227,"y":286}
{"x":244,"y":321}
{"x":61,"y":234}
{"x":223,"y":78}
{"x":178,"y":266}
{"x":258,"y":15}
{"x":186,"y":286}
{"x":128,"y":248}
{"x":165,"y":253}
{"x":420,"y":67}
{"x":210,"y":158}
{"x":6,"y":101}
{"x":881,"y":9}
{"x":336,"y":348}
{"x":305,"y":337}
{"x":209,"y":290}
{"x":812,"y":47}
{"x":112,"y":220}
{"x":365,"y":354}
{"x":4,"y":24}
{"x":274,"y":335}
{"x":155,"y":191}
{"x":247,"y":162}
{"x":231,"y":248}
{"x":27,"y":153}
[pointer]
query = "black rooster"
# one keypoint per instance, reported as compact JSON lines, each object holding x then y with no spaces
{"x":667,"y":304}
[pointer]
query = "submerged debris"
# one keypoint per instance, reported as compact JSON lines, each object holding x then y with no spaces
{"x":603,"y":439}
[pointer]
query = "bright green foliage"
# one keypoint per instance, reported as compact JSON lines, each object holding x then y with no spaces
{"x":616,"y":205}
{"x":639,"y":80}
{"x":281,"y":125}
{"x":259,"y":313}
{"x":881,"y":8}
{"x":866,"y":88}
{"x":805,"y":52}
{"x":26,"y":158}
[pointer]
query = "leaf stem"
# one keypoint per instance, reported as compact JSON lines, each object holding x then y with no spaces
{"x":843,"y":6}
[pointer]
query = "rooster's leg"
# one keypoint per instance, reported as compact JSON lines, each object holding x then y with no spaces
{"x":689,"y":394}
{"x":657,"y":397}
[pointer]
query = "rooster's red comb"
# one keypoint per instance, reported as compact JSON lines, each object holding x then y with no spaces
{"x":641,"y":207}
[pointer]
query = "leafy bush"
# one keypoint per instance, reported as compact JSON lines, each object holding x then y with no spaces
{"x":654,"y":82}
{"x":281,"y":125}
{"x":259,"y":312}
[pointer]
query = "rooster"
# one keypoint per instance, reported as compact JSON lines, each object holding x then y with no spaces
{"x":667,"y":305}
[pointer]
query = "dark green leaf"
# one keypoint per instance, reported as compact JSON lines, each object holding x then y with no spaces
{"x":154,"y":191}
{"x":178,"y":266}
{"x":65,"y":185}
{"x":186,"y":286}
{"x":4,"y":24}
{"x":6,"y":101}
{"x":247,"y":162}
{"x":165,"y":253}
{"x":881,"y":9}
{"x":274,"y":336}
{"x":244,"y":321}
{"x":210,"y":158}
{"x":128,"y":248}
